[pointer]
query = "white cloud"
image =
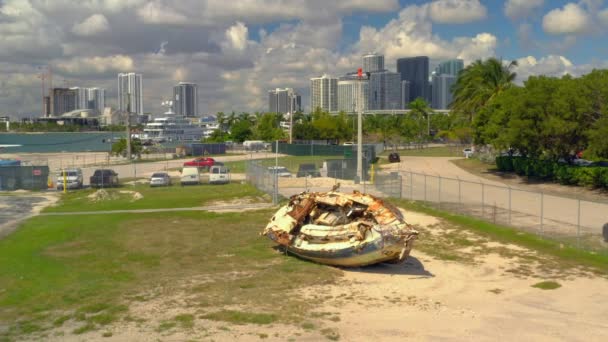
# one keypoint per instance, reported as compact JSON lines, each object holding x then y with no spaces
{"x":571,"y":19}
{"x":236,"y":36}
{"x":457,"y":11}
{"x":516,"y":9}
{"x":95,"y":24}
{"x":157,"y":13}
{"x":90,"y":66}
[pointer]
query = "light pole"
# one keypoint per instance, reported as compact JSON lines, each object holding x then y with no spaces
{"x":290,"y":128}
{"x":359,"y":130}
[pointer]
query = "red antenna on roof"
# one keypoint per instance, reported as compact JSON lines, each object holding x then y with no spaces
{"x":359,"y":73}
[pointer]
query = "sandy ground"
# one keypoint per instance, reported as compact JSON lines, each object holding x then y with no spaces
{"x":425,"y":299}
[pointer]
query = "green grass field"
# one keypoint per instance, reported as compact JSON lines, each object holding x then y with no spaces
{"x":292,"y":163}
{"x":79,"y":274}
{"x":444,"y":151}
{"x":174,"y":196}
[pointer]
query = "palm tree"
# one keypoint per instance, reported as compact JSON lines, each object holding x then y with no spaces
{"x":420,"y":109}
{"x":479,"y":83}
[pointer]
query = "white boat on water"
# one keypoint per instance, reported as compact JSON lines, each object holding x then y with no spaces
{"x":172,"y":127}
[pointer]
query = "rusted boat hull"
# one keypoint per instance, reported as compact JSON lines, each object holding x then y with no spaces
{"x":348,"y":230}
{"x":353,"y":257}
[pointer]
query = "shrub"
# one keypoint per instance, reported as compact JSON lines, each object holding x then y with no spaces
{"x":589,"y":176}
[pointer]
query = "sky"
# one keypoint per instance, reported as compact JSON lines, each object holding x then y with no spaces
{"x":237,"y":50}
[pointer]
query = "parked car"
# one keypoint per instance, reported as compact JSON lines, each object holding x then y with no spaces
{"x":468,"y":152}
{"x":204,"y":162}
{"x":72,"y":178}
{"x":104,"y":178}
{"x":394,"y":157}
{"x":219,"y":175}
{"x":281,"y":171}
{"x":160,"y":179}
{"x":308,"y":170}
{"x":348,"y":143}
{"x":190,"y":176}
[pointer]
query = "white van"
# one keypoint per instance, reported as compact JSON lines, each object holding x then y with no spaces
{"x":190,"y":176}
{"x":73,"y":179}
{"x":253,"y":145}
{"x":219,"y":174}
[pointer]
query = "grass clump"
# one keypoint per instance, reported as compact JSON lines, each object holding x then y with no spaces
{"x":547,"y":285}
{"x":331,"y":334}
{"x":240,"y":317}
{"x":83,"y":329}
{"x":185,"y":321}
{"x":166,"y":325}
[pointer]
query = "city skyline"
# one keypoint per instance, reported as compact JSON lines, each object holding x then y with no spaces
{"x":245,"y":49}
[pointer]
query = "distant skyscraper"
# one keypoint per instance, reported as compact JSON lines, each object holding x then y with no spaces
{"x":416,"y":71}
{"x":96,"y":99}
{"x":373,"y":63}
{"x":405,"y":94}
{"x":384,"y":90}
{"x":284,"y":101}
{"x":324,"y":93}
{"x":64,"y":100}
{"x":185,"y":99}
{"x":130,"y":83}
{"x":450,"y":67}
{"x":353,"y":94}
{"x":442,"y":91}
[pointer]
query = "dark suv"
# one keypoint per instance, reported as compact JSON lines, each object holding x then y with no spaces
{"x":306,"y":170}
{"x":394,"y":157}
{"x":104,"y":178}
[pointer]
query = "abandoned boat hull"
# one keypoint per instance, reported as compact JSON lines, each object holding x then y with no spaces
{"x":347,"y":230}
{"x":355,"y":257}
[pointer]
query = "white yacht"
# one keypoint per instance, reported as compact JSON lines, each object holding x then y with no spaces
{"x":172,"y":127}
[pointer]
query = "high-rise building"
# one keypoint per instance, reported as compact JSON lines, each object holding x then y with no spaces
{"x":384,"y":90}
{"x":442,"y":91}
{"x":324,"y":93}
{"x":373,"y":62}
{"x":284,"y":101}
{"x":353,"y":94}
{"x":96,"y":98}
{"x":64,"y":100}
{"x":416,"y":71}
{"x":405,"y":94}
{"x":185,"y":99}
{"x":450,"y":67}
{"x":130,"y":93}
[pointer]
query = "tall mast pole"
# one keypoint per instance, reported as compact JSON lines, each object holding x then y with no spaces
{"x":128,"y":125}
{"x":359,"y":130}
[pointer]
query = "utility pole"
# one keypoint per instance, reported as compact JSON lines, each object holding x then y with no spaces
{"x":290,"y":128}
{"x":359,"y":131}
{"x":128,"y":124}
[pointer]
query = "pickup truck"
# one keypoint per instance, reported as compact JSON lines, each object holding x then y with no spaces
{"x":104,"y":178}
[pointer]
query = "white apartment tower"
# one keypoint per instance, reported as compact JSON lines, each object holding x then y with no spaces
{"x":373,"y":63}
{"x":324,"y":93}
{"x":130,"y":87}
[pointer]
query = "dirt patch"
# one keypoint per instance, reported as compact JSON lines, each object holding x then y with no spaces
{"x":104,"y":195}
{"x":243,"y":201}
{"x":135,"y":196}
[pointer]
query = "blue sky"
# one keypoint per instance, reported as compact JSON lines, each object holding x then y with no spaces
{"x":237,"y":50}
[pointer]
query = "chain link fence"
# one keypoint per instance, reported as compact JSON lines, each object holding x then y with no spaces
{"x":571,"y":221}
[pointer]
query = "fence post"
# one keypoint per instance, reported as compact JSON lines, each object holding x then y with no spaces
{"x":483,"y":200}
{"x":578,"y":224}
{"x":411,"y":186}
{"x":509,"y":205}
{"x":541,"y":212}
{"x":425,"y":187}
{"x":439,"y":192}
{"x":400,"y":187}
{"x":459,"y":193}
